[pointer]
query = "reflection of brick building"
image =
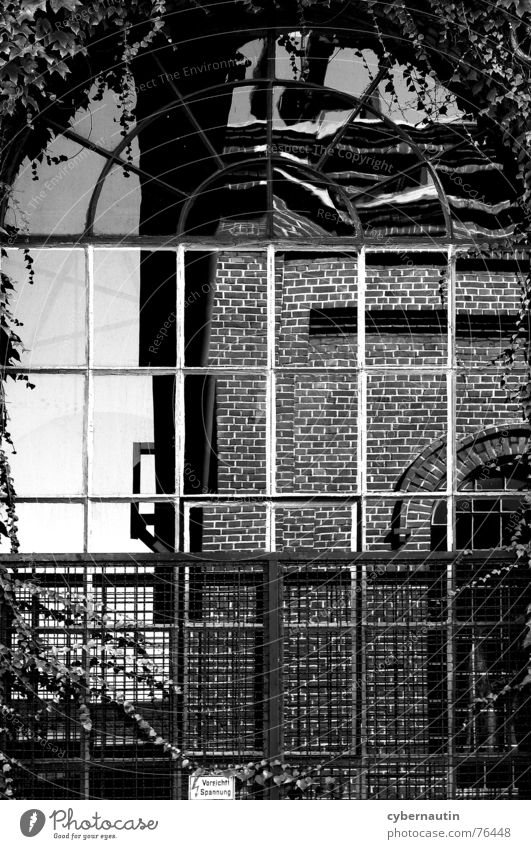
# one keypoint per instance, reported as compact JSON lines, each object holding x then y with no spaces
{"x":278,"y":425}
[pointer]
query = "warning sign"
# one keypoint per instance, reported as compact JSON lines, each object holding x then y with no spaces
{"x":211,"y":787}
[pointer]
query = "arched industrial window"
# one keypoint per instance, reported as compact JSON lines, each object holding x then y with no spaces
{"x":191,"y":381}
{"x":486,"y":520}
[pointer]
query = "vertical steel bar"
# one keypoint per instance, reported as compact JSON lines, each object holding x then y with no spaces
{"x":179,"y":392}
{"x":270,"y":543}
{"x":361,"y":570}
{"x":362,"y":671}
{"x":451,"y":524}
{"x":451,"y":481}
{"x":273,"y":637}
{"x":88,"y":417}
{"x":271,"y":376}
{"x":362,"y":398}
{"x":271,"y":54}
{"x":178,"y":635}
{"x":88,"y":437}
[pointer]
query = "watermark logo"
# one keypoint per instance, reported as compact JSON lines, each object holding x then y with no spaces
{"x":32,"y":822}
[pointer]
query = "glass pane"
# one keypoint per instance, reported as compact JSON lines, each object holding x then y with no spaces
{"x":56,"y":203}
{"x":484,"y":326}
{"x":134,"y":308}
{"x":320,"y":527}
{"x":233,"y":205}
{"x":226,"y":309}
{"x":439,"y":527}
{"x":225,"y":434}
{"x":47,"y":428}
{"x":352,"y":70}
{"x":406,"y":413}
{"x":227,"y":527}
{"x":132,"y":528}
{"x":52,"y":309}
{"x":133,"y":445}
{"x":306,"y":206}
{"x":388,"y":184}
{"x":406,"y":318}
{"x":482,"y":402}
{"x":305,"y":122}
{"x":118,"y":208}
{"x":234,"y":124}
{"x":100,"y":121}
{"x":316,"y":306}
{"x":400,"y":102}
{"x":317,"y":432}
{"x":402,"y":525}
{"x":48,"y":528}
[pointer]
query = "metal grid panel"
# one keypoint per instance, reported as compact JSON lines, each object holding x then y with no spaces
{"x":360,"y":667}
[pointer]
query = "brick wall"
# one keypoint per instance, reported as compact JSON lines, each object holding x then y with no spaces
{"x":317,"y":414}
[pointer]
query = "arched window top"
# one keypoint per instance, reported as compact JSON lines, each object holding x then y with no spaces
{"x":490,"y":520}
{"x":334,"y":153}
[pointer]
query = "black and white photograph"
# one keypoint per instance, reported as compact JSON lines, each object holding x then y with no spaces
{"x":265,"y":414}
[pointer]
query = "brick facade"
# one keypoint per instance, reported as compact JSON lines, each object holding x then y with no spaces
{"x":317,"y":432}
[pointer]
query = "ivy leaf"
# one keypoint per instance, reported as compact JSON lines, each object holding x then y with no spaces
{"x":57,"y":5}
{"x":29,"y":7}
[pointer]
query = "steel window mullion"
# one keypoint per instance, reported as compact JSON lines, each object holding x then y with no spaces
{"x":88,"y":425}
{"x":270,"y":526}
{"x":165,"y":243}
{"x":451,"y":522}
{"x":271,"y":380}
{"x":362,"y":399}
{"x":179,"y":412}
{"x":191,"y":370}
{"x":451,"y":458}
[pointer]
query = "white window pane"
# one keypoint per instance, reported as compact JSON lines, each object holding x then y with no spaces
{"x":134,"y":308}
{"x":47,"y":427}
{"x":120,"y":528}
{"x":52,"y":309}
{"x":100,"y":122}
{"x":124,"y":432}
{"x":57,"y":202}
{"x":118,"y":209}
{"x":48,"y":528}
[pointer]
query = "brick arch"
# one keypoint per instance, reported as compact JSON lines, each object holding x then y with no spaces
{"x":428,"y":472}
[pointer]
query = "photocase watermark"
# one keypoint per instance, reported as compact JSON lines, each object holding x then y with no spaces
{"x":32,"y":822}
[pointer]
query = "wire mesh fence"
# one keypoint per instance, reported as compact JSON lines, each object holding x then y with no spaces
{"x":395,"y":678}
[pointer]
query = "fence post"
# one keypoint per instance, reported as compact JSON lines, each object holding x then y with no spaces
{"x":273,"y":636}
